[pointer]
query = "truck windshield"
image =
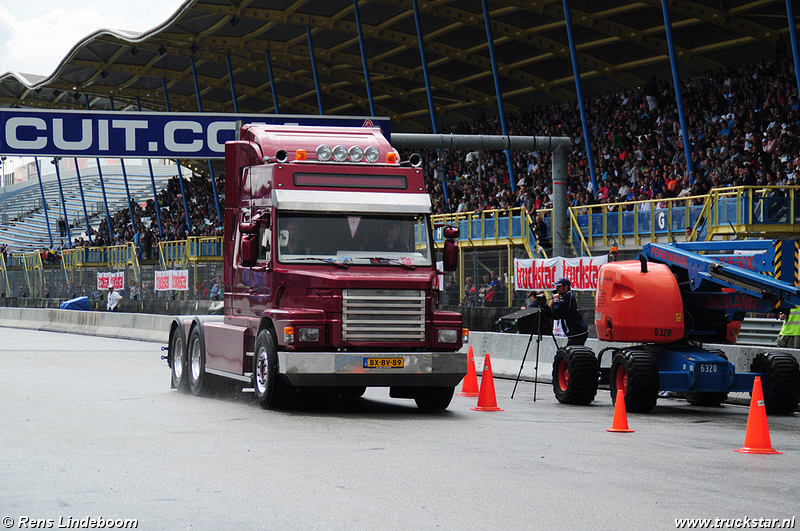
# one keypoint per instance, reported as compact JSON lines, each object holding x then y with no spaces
{"x":347,"y":239}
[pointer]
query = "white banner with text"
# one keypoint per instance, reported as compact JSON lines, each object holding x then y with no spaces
{"x":116,"y":279}
{"x":177,"y":279}
{"x":540,"y":274}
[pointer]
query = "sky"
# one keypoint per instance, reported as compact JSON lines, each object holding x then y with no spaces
{"x":36,"y":35}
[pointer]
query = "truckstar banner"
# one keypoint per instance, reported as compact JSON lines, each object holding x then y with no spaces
{"x":116,"y":279}
{"x":177,"y":279}
{"x":169,"y":135}
{"x":540,"y":274}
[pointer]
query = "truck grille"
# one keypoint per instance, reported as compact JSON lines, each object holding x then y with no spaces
{"x":383,"y":315}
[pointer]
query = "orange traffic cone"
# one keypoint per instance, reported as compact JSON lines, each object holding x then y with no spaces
{"x":487,"y":401}
{"x":620,"y":422}
{"x":756,"y":438}
{"x":470,"y":385}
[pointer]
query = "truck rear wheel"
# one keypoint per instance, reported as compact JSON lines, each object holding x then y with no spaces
{"x":636,"y":373}
{"x":196,"y":352}
{"x":431,"y":399}
{"x":706,"y":399}
{"x":575,"y":375}
{"x":782,"y":391}
{"x":265,"y":371}
{"x":177,"y":354}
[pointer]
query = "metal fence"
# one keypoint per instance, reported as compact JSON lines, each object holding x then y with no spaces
{"x":51,"y":283}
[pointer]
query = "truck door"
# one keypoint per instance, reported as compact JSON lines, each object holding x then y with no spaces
{"x":254,"y":262}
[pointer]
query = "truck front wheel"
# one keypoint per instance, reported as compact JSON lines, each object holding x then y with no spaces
{"x":265,"y":370}
{"x":575,"y":375}
{"x":197,"y":361}
{"x":783,"y":381}
{"x":636,"y":374}
{"x":434,"y":398}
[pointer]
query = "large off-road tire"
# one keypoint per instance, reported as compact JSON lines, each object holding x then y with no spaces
{"x":707,"y":399}
{"x":178,"y":364}
{"x":270,"y":391}
{"x":430,"y":399}
{"x":576,"y":374}
{"x":196,"y":354}
{"x":636,"y":373}
{"x":782,"y":390}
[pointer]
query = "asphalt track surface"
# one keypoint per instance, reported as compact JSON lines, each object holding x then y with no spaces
{"x":90,"y":428}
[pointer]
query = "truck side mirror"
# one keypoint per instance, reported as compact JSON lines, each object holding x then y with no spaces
{"x":249,"y":250}
{"x":248,"y":228}
{"x":450,"y":255}
{"x":451,"y":232}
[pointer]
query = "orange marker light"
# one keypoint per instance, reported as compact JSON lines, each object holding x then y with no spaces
{"x":391,"y":158}
{"x":301,"y":154}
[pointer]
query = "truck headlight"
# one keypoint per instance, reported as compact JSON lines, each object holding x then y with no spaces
{"x":323,"y":152}
{"x":339,"y":153}
{"x":355,"y":153}
{"x":308,"y":335}
{"x":448,"y":336}
{"x":372,"y":154}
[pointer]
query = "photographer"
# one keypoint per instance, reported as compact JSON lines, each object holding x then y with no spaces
{"x":564,"y":306}
{"x":536,"y":299}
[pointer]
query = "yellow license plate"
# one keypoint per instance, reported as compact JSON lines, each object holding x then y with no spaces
{"x":391,"y":363}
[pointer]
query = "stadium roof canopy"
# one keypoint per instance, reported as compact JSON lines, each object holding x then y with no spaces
{"x":620,"y":44}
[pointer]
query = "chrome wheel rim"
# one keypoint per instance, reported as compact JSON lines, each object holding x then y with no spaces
{"x":262,"y":372}
{"x":195,"y":352}
{"x":177,"y":361}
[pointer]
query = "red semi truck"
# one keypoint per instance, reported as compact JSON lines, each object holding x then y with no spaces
{"x":330,"y":274}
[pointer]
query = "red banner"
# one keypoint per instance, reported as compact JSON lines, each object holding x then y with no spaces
{"x":539,"y":275}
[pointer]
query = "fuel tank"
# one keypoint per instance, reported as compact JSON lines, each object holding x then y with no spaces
{"x":636,"y":306}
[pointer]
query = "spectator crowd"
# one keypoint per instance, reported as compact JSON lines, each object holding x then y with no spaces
{"x":743,"y":124}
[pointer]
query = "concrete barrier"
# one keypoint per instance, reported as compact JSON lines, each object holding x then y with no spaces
{"x":138,"y":326}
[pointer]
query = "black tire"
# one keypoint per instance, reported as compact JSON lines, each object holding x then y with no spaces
{"x":706,"y":399}
{"x":576,"y":374}
{"x":431,"y":399}
{"x":178,"y":365}
{"x":636,"y":372}
{"x":268,"y":389}
{"x":782,"y":389}
{"x":196,"y":361}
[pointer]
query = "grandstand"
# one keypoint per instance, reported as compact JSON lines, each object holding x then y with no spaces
{"x":737,"y":64}
{"x":25,"y":224}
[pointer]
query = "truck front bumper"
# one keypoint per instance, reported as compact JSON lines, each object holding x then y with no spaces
{"x":425,"y":369}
